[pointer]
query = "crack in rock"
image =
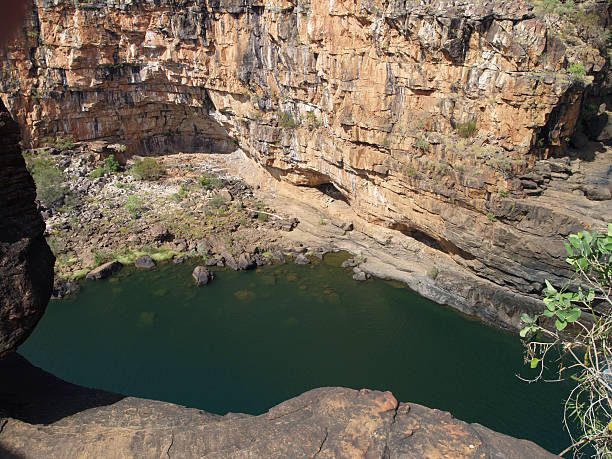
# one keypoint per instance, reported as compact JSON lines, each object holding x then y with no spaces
{"x":171,"y":444}
{"x":322,"y":443}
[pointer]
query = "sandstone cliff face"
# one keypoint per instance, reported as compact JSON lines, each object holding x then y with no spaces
{"x":323,"y":423}
{"x":432,"y":119}
{"x":26,"y":262}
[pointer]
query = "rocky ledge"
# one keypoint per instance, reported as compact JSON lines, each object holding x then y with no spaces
{"x":48,"y":417}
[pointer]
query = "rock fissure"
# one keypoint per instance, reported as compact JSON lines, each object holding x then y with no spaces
{"x":322,"y":443}
{"x":170,"y":445}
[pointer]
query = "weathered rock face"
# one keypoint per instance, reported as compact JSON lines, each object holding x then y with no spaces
{"x":429,"y":119}
{"x":326,"y":422}
{"x":26,"y":262}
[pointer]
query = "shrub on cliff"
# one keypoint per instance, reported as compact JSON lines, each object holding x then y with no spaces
{"x":577,"y":72}
{"x":210,"y":182}
{"x":134,"y":206}
{"x":586,"y":347}
{"x":285,"y":120}
{"x":112,"y":165}
{"x":466,"y":130}
{"x":48,"y":178}
{"x":148,"y":169}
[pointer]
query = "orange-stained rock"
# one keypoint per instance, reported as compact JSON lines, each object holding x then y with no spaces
{"x":433,"y":119}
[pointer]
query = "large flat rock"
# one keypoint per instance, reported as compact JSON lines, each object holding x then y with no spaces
{"x":47,"y":417}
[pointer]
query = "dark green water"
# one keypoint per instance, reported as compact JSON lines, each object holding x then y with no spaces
{"x":252,"y":339}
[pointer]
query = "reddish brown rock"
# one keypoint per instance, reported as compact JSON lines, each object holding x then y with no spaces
{"x":51,"y":418}
{"x":434,"y":120}
{"x":26,"y":262}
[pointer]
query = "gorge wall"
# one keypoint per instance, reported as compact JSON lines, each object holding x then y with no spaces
{"x":26,"y":262}
{"x":451,"y":122}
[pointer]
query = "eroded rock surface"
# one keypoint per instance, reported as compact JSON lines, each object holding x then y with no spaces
{"x":60,"y":420}
{"x":26,"y":262}
{"x":437,"y":121}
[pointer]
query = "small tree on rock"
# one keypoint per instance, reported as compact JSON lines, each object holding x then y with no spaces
{"x":582,"y":333}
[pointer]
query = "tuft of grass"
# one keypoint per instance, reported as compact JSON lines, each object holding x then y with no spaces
{"x":210,"y":182}
{"x":466,"y":130}
{"x":285,"y":120}
{"x":97,"y":173}
{"x":577,"y":72}
{"x":134,"y":206}
{"x":79,"y":274}
{"x":216,"y":202}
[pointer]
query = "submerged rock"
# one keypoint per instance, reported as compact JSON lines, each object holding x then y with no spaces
{"x":349,"y":263}
{"x":104,"y":270}
{"x":202,"y":276}
{"x":361,"y":275}
{"x":302,"y":259}
{"x":63,"y":288}
{"x":145,"y":262}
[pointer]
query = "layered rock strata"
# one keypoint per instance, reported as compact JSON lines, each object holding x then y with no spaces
{"x":64,"y":420}
{"x":437,"y":119}
{"x":26,"y":262}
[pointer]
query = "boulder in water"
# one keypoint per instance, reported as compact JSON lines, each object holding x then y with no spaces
{"x":104,"y":270}
{"x":202,"y":276}
{"x":302,"y":259}
{"x":245,"y":261}
{"x":144,"y":262}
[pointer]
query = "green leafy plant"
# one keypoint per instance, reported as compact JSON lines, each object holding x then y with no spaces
{"x":61,"y":143}
{"x":181,"y":194}
{"x":577,"y":72}
{"x":134,"y":206}
{"x":491,"y":217}
{"x":422,"y":145}
{"x":111,"y":164}
{"x":411,"y":171}
{"x":312,"y":119}
{"x":585,"y":347}
{"x":210,"y":182}
{"x":466,"y":130}
{"x":285,"y":120}
{"x":97,"y":172}
{"x":148,"y":169}
{"x":48,"y":178}
{"x":557,"y":7}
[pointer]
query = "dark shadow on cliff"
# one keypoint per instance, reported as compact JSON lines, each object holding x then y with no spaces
{"x":6,"y":454}
{"x":32,"y":395}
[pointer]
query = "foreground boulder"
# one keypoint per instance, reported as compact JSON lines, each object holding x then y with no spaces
{"x":201,"y":275}
{"x":105,"y":270}
{"x":26,"y":262}
{"x":50,"y":418}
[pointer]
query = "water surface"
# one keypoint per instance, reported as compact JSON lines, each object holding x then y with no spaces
{"x":250,"y":340}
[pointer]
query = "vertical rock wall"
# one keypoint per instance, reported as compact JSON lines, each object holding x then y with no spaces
{"x":26,"y":262}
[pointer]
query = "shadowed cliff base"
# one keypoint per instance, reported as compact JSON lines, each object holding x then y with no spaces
{"x":47,"y":417}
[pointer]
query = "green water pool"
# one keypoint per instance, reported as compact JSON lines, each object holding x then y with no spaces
{"x":250,"y":340}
